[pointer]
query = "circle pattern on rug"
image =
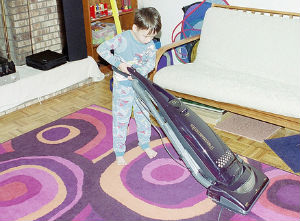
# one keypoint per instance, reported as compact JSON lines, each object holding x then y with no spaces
{"x":63,"y":135}
{"x":141,"y":177}
{"x":164,"y":172}
{"x":57,"y":134}
{"x":38,"y":187}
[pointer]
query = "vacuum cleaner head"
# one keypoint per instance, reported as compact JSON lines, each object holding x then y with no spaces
{"x":229,"y":180}
{"x":241,"y":195}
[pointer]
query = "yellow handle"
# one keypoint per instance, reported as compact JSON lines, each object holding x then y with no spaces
{"x":115,"y":13}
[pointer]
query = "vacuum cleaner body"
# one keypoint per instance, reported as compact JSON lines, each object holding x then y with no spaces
{"x":229,"y":180}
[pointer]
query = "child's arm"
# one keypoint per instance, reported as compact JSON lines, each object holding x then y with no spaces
{"x":105,"y":51}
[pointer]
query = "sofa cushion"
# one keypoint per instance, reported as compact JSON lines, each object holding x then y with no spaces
{"x":251,"y":60}
{"x":220,"y":84}
{"x":260,"y":45}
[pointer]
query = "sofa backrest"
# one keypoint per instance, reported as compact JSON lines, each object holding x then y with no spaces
{"x":262,"y":45}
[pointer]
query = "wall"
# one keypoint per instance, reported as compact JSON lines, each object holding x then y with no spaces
{"x":33,"y":26}
{"x":172,"y":13}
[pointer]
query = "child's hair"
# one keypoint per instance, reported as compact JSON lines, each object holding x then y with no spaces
{"x":148,"y":18}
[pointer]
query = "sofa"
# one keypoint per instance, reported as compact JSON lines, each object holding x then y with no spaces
{"x":247,"y":62}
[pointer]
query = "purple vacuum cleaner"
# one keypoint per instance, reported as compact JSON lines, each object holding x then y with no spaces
{"x":230,"y":182}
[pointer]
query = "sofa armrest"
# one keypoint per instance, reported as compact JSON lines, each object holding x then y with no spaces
{"x":167,"y":47}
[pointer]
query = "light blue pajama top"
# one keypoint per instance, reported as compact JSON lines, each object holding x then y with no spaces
{"x":128,"y":49}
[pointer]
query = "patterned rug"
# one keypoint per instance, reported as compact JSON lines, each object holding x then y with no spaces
{"x":65,"y":170}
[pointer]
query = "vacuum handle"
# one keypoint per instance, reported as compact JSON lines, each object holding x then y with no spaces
{"x":133,"y":72}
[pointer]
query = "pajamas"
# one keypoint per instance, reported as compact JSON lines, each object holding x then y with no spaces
{"x":124,"y":99}
{"x":141,"y":57}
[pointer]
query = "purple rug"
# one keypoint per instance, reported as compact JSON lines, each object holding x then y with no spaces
{"x":65,"y":170}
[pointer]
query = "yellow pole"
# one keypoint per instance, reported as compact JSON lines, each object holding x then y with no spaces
{"x":115,"y":13}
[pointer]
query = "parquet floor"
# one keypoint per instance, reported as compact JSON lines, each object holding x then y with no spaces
{"x":36,"y":115}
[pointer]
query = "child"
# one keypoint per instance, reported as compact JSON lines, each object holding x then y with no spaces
{"x":132,"y":48}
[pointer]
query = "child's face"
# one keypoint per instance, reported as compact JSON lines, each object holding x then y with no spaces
{"x":142,"y":35}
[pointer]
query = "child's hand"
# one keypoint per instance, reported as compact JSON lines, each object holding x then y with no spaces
{"x":123,"y":67}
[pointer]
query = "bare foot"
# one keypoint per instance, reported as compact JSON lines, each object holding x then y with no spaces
{"x":151,"y":153}
{"x":121,"y":161}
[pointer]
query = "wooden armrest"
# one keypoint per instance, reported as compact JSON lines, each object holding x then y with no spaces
{"x":167,"y":47}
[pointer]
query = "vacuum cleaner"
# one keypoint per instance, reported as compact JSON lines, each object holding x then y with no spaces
{"x":230,"y":182}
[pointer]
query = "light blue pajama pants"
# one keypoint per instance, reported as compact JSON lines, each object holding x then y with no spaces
{"x":124,"y":99}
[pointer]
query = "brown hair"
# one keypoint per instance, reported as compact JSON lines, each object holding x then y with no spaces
{"x":148,"y":18}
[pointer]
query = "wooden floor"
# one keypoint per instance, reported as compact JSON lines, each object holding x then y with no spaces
{"x":36,"y":115}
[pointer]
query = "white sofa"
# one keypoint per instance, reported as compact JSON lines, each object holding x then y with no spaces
{"x":247,"y":62}
{"x":36,"y":85}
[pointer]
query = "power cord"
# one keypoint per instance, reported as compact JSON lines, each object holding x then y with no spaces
{"x":140,"y":102}
{"x":220,"y":213}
